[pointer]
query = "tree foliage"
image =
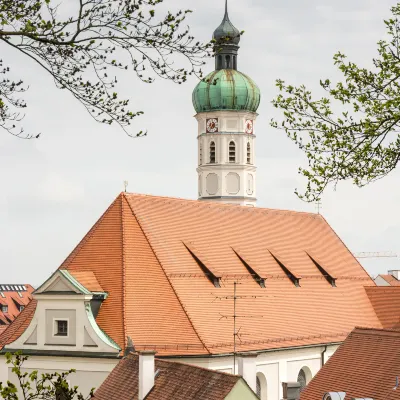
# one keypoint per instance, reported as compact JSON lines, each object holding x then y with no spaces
{"x":360,"y":143}
{"x":35,"y":386}
{"x":83,"y":50}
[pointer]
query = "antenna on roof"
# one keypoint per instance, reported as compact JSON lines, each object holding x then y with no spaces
{"x":318,"y":206}
{"x":126,"y":183}
{"x":375,"y":254}
{"x":397,"y":383}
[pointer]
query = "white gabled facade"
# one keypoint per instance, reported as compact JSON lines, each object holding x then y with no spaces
{"x":226,"y":157}
{"x":62,"y":302}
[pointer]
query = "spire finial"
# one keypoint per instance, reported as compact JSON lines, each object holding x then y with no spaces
{"x":226,"y":8}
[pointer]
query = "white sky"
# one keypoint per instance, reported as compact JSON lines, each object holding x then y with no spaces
{"x":54,"y":189}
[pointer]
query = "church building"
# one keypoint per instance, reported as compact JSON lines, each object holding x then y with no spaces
{"x":214,"y":282}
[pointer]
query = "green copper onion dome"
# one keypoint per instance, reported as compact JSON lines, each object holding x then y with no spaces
{"x":226,"y":89}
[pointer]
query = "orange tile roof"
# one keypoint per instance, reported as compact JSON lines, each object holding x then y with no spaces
{"x":386,"y":303}
{"x":17,"y":328}
{"x":174,"y":381}
{"x":160,"y":295}
{"x":87,"y":279}
{"x":365,"y":366}
{"x":390,"y":279}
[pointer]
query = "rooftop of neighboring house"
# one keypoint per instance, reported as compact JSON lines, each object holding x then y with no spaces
{"x":172,"y":263}
{"x":366,"y":365}
{"x":172,"y":380}
{"x":392,"y":278}
{"x":13,"y":299}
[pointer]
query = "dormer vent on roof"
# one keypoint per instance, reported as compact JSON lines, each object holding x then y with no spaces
{"x":213,"y":276}
{"x":331,"y":279}
{"x":293,"y":278}
{"x":257,"y":276}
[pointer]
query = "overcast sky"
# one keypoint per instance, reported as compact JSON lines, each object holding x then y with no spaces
{"x":54,"y":189}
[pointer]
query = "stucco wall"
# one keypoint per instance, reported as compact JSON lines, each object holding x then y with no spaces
{"x":273,"y":367}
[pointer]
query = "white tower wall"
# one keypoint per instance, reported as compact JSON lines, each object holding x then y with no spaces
{"x":225,"y":180}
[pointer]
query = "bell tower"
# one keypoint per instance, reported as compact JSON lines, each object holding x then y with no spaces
{"x":226,"y":102}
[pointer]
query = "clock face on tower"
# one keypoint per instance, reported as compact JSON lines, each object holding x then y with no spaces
{"x":249,"y":126}
{"x":212,"y":125}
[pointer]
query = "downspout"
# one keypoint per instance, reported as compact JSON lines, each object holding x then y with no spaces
{"x":323,"y":356}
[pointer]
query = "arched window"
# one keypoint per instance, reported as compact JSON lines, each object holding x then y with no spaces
{"x":228,"y":62}
{"x":212,"y":153}
{"x":234,"y":62}
{"x":232,"y":152}
{"x":248,"y":153}
{"x":304,"y":377}
{"x":219,"y":62}
{"x":261,"y":386}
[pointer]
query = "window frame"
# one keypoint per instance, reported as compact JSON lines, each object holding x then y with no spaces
{"x":56,"y":333}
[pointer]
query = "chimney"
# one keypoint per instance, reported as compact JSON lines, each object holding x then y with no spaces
{"x":247,"y":369}
{"x":146,"y":372}
{"x":395,"y":273}
{"x":291,"y":390}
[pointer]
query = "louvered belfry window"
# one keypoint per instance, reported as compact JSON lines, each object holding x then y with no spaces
{"x":232,"y":152}
{"x":212,"y":153}
{"x":248,"y":153}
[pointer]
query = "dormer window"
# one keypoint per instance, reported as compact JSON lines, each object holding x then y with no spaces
{"x":4,"y":308}
{"x":61,"y":327}
{"x":21,"y":308}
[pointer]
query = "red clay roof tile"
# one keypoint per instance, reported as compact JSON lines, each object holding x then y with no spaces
{"x":365,"y":366}
{"x":17,"y":328}
{"x":137,"y":253}
{"x":160,"y":296}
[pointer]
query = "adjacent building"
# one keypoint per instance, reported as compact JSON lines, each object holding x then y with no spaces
{"x":366,"y":366}
{"x":392,"y":278}
{"x":13,"y":299}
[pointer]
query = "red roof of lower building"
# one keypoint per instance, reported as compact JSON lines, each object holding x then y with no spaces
{"x":173,"y":381}
{"x":390,"y":279}
{"x":366,"y":365}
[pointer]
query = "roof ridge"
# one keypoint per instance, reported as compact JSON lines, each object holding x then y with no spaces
{"x":123,"y":269}
{"x":200,"y":368}
{"x":172,"y":286}
{"x":71,"y":257}
{"x":210,"y":203}
{"x":359,"y":329}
